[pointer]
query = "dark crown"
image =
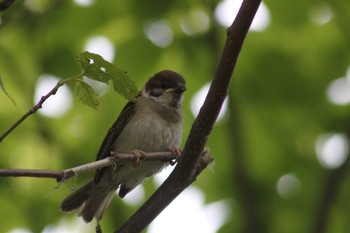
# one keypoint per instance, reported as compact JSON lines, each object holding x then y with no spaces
{"x":166,"y":79}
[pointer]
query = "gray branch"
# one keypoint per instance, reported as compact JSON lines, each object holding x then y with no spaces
{"x":61,"y":175}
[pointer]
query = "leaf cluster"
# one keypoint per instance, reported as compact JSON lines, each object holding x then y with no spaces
{"x":96,"y":68}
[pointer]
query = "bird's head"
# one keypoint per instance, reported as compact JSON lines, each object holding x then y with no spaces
{"x":166,"y":88}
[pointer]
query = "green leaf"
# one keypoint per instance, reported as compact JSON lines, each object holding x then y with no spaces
{"x":86,"y":94}
{"x":96,"y":68}
{"x":4,"y":90}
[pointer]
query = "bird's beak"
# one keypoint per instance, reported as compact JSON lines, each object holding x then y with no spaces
{"x":179,"y":89}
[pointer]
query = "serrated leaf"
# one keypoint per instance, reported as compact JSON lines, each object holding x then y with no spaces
{"x":86,"y":94}
{"x":4,"y":90}
{"x":96,"y":68}
{"x":92,"y":67}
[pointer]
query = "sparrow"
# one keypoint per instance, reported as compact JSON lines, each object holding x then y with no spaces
{"x":152,"y":123}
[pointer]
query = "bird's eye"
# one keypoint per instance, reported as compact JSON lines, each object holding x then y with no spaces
{"x":164,"y":85}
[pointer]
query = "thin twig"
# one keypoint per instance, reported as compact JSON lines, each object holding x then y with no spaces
{"x":32,"y":110}
{"x":186,"y":170}
{"x":61,"y":175}
{"x":57,"y":174}
{"x":38,"y":105}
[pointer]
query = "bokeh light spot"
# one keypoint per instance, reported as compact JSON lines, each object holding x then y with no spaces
{"x":159,"y":33}
{"x":162,"y":176}
{"x":227,"y":10}
{"x":198,"y":100}
{"x":288,"y":186}
{"x":99,"y":87}
{"x":135,"y":196}
{"x":196,"y":22}
{"x":84,"y":3}
{"x":189,"y":209}
{"x":76,"y":225}
{"x":321,"y":14}
{"x":332,"y":150}
{"x":102,"y":46}
{"x":56,"y":105}
{"x":338,"y":91}
{"x":37,"y":6}
{"x":20,"y":230}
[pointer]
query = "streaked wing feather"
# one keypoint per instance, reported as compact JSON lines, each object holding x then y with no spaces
{"x":112,"y":135}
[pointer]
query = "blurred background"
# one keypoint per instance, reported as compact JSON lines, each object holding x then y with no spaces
{"x":280,"y":144}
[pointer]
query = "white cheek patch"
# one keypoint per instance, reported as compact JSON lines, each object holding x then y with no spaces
{"x":144,"y":93}
{"x":181,"y":98}
{"x":165,"y":99}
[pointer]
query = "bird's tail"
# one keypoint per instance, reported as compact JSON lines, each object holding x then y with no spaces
{"x":88,"y":200}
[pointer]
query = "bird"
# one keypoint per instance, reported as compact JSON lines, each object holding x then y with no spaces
{"x":151,"y":123}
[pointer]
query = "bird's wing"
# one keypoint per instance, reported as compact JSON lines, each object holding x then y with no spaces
{"x":112,"y":135}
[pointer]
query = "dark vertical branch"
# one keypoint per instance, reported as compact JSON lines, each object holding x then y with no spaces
{"x":185,"y":172}
{"x":206,"y":118}
{"x":5,"y":4}
{"x":329,"y":195}
{"x":32,"y":110}
{"x":253,"y":222}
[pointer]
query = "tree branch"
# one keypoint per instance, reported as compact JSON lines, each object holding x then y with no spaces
{"x":328,"y":196}
{"x":32,"y":110}
{"x":252,"y":220}
{"x":39,"y":105}
{"x":331,"y":188}
{"x":61,"y":175}
{"x":5,"y":4}
{"x":186,"y":170}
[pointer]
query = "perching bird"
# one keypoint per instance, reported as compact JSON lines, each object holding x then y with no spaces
{"x":151,"y":123}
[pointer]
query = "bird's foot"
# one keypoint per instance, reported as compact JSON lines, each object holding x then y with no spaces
{"x":139,"y":156}
{"x":176,"y":153}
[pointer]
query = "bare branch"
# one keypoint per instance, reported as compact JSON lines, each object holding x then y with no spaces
{"x":39,"y":105}
{"x":186,"y":170}
{"x":32,"y":110}
{"x":57,"y":174}
{"x":61,"y":175}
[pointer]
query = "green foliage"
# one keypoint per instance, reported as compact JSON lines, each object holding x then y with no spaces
{"x":86,"y":94}
{"x":96,"y":68}
{"x":278,"y":105}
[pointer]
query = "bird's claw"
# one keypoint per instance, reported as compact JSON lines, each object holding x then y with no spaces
{"x":139,"y":156}
{"x":176,"y":153}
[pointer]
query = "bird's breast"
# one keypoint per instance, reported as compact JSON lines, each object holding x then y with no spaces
{"x":149,"y":132}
